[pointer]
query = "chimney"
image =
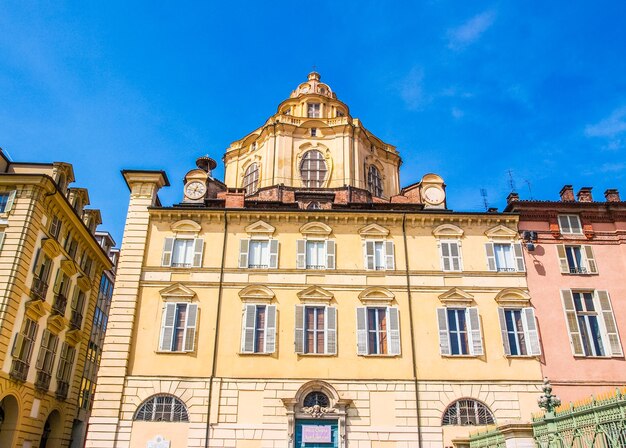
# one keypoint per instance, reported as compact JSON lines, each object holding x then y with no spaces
{"x":567,"y":193}
{"x":584,"y":194}
{"x":235,"y":198}
{"x":512,"y":197}
{"x":612,"y":195}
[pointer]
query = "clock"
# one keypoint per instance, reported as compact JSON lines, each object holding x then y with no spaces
{"x":434,"y":195}
{"x":195,"y":189}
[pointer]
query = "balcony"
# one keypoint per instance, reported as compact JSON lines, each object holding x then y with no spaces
{"x":38,"y":290}
{"x":62,"y":389}
{"x":258,"y":266}
{"x":59,"y":305}
{"x":316,"y":266}
{"x":42,"y":381}
{"x":578,"y":270}
{"x":76,"y":321}
{"x":507,"y":270}
{"x":181,"y":265}
{"x":19,"y":370}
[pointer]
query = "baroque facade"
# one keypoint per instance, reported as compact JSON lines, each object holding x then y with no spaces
{"x":310,"y":300}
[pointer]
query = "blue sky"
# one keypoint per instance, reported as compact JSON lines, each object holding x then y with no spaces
{"x":468,"y":90}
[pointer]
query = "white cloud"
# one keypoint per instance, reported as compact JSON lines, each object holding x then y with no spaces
{"x":457,"y":113}
{"x":471,"y":30}
{"x":411,"y":89}
{"x":610,"y":127}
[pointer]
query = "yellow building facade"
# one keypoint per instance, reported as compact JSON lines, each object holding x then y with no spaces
{"x":309,"y":301}
{"x":50,"y":271}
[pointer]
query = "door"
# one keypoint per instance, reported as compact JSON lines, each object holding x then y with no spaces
{"x":316,"y":434}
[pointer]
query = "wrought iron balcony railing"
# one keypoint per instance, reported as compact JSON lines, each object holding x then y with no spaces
{"x":76,"y":320}
{"x":19,"y":370}
{"x":39,"y":289}
{"x":59,"y":305}
{"x":42,"y":380}
{"x":62,"y":389}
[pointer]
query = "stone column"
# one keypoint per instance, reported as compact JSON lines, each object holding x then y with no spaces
{"x":104,"y":425}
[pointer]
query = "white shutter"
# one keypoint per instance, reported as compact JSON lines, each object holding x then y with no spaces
{"x":244,"y":245}
{"x":393,"y":330}
{"x":504,"y":331}
{"x":572,"y":322}
{"x":476,"y":340}
{"x":591,"y":261}
{"x":167,"y":327}
{"x":491,"y":257}
{"x":531,"y":334}
{"x":444,"y":337}
{"x":168,"y":246}
{"x":247,"y":329}
{"x":10,"y":201}
{"x":368,"y":253}
{"x":330,"y":254}
{"x":301,"y":254}
{"x":273,"y":264}
{"x":444,"y":252}
{"x":330,"y":313}
{"x":519,"y":257}
{"x":361,"y":330}
{"x":455,"y":254}
{"x":610,"y":326}
{"x":299,"y":329}
{"x":270,"y":329}
{"x":190,"y":327}
{"x":198,"y":250}
{"x":389,"y":256}
{"x":560,"y":252}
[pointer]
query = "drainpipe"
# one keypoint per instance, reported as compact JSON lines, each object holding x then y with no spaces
{"x":217,"y":326}
{"x":411,"y":325}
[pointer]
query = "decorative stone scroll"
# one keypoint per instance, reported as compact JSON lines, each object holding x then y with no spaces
{"x":158,"y":442}
{"x":318,"y":411}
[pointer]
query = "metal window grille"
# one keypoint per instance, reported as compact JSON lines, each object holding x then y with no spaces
{"x":162,"y":408}
{"x":316,"y":398}
{"x":251,"y":179}
{"x":313,"y":169}
{"x":467,"y":413}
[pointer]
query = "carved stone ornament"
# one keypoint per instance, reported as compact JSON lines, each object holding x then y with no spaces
{"x":158,"y":442}
{"x":318,"y":411}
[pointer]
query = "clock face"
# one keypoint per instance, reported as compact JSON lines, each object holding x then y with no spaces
{"x":434,"y":195}
{"x":195,"y":189}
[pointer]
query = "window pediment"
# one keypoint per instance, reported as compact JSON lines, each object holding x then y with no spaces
{"x":448,"y":231}
{"x":315,"y":293}
{"x":260,"y":227}
{"x":257,"y":293}
{"x":35,"y":309}
{"x":69,"y":267}
{"x":51,"y":247}
{"x":84,"y":283}
{"x":373,"y":230}
{"x":178,"y":292}
{"x":315,"y":228}
{"x":501,"y":232}
{"x":456,"y":296}
{"x":186,"y":226}
{"x":376,"y":294}
{"x":513,"y":297}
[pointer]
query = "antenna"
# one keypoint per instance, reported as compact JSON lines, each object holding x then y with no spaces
{"x":511,"y":181}
{"x":530,"y":191}
{"x":483,"y":193}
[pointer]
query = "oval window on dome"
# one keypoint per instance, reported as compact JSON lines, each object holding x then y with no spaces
{"x":313,"y":169}
{"x":251,"y":179}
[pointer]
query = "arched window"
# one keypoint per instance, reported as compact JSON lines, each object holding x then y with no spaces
{"x":316,"y":398}
{"x":467,"y":412}
{"x":314,"y":205}
{"x":313,"y":169}
{"x":162,"y":408}
{"x":374,"y":181}
{"x":251,"y":179}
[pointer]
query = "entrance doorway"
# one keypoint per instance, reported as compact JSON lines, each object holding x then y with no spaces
{"x":51,"y":435}
{"x":316,"y":433}
{"x":9,"y":412}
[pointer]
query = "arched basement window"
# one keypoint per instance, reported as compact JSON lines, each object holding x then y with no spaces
{"x":162,"y":408}
{"x":467,"y":412}
{"x":313,"y":169}
{"x":374,"y":181}
{"x":316,"y":398}
{"x":251,"y":179}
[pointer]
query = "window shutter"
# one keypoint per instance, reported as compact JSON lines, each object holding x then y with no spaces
{"x":167,"y":327}
{"x":361,"y":330}
{"x":301,"y":254}
{"x":591,"y":261}
{"x":393,"y":330}
{"x":455,"y":253}
{"x":198,"y":250}
{"x":16,"y":351}
{"x":270,"y":329}
{"x":168,"y":246}
{"x":572,"y":322}
{"x":610,"y":325}
{"x":504,"y":332}
{"x":190,"y":327}
{"x":247,"y":329}
{"x":444,"y":250}
{"x":531,"y":334}
{"x":10,"y":201}
{"x":330,"y":254}
{"x":75,"y":298}
{"x":369,"y":255}
{"x":62,"y":362}
{"x":244,"y":245}
{"x":519,"y":257}
{"x":41,"y":357}
{"x":476,"y":340}
{"x":273,"y":254}
{"x":444,"y":338}
{"x":36,"y":263}
{"x":1,"y":239}
{"x":560,"y":251}
{"x":564,"y":224}
{"x":491,"y":257}
{"x":58,"y":282}
{"x":389,"y":256}
{"x":299,"y":334}
{"x":331,"y":330}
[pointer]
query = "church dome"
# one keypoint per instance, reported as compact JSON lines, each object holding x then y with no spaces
{"x":313,"y":85}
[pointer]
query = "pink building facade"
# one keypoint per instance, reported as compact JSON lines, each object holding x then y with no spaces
{"x":575,"y":255}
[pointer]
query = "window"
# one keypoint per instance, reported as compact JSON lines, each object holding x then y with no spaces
{"x":64,"y":370}
{"x":61,"y":290}
{"x":374,"y":181}
{"x":450,"y":252}
{"x":340,"y":113}
{"x":251,"y":179}
{"x":287,"y":111}
{"x":316,"y":399}
{"x":258,"y":334}
{"x":162,"y":408}
{"x":519,"y":332}
{"x":313,"y":132}
{"x":378,"y":330}
{"x":313,"y":169}
{"x":316,"y":329}
{"x":505,"y":257}
{"x":45,"y":359}
{"x":314,"y":205}
{"x":183,"y":252}
{"x":576,"y":259}
{"x":55,"y":227}
{"x":22,"y":349}
{"x":6,"y":201}
{"x":459,"y":331}
{"x":467,"y":413}
{"x":570,"y":224}
{"x":379,"y":255}
{"x":78,"y":303}
{"x":85,"y":264}
{"x":178,"y":328}
{"x":315,"y":254}
{"x":41,"y":271}
{"x":591,"y":323}
{"x":258,"y":254}
{"x":313,"y":110}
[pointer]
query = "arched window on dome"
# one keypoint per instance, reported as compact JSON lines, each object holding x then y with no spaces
{"x":162,"y":408}
{"x":374,"y":181}
{"x":251,"y":179}
{"x":467,"y":412}
{"x":313,"y":169}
